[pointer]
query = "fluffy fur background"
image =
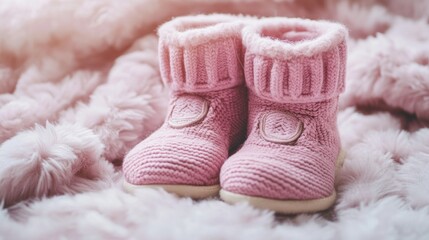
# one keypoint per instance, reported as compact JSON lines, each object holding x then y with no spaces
{"x":79,"y":86}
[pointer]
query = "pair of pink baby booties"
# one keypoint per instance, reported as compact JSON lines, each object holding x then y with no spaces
{"x":252,"y":114}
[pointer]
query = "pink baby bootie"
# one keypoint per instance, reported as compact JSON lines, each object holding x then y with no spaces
{"x":295,"y":70}
{"x":200,"y":59}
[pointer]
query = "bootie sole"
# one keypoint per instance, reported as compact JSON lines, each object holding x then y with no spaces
{"x":287,"y":206}
{"x":195,"y":192}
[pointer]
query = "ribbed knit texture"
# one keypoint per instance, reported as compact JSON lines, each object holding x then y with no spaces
{"x":293,"y":141}
{"x":304,"y":64}
{"x":199,"y":61}
{"x":201,"y":53}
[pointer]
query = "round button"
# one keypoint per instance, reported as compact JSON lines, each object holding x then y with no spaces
{"x":280,"y":127}
{"x":188,"y":110}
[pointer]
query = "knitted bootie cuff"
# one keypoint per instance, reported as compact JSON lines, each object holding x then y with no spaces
{"x":201,"y":53}
{"x":295,"y":60}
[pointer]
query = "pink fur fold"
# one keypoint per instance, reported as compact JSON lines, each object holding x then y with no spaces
{"x":51,"y":160}
{"x":70,"y":156}
{"x":295,"y":60}
{"x":201,"y":53}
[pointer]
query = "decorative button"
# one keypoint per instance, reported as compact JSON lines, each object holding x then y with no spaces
{"x":188,"y":110}
{"x":280,"y":127}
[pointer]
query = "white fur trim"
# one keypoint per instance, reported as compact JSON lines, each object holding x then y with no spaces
{"x":329,"y":35}
{"x":213,"y":27}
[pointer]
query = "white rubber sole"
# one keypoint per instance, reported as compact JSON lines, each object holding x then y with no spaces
{"x":195,"y":192}
{"x":281,"y":206}
{"x":287,"y":206}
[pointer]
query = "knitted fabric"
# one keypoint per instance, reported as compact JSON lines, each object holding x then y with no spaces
{"x":201,"y":53}
{"x":295,"y":71}
{"x":295,"y":60}
{"x":199,"y":59}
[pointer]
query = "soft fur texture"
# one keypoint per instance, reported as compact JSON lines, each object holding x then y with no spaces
{"x":258,"y":40}
{"x":90,"y":69}
{"x":195,"y":30}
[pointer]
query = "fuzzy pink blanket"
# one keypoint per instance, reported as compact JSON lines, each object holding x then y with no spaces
{"x":80,"y":86}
